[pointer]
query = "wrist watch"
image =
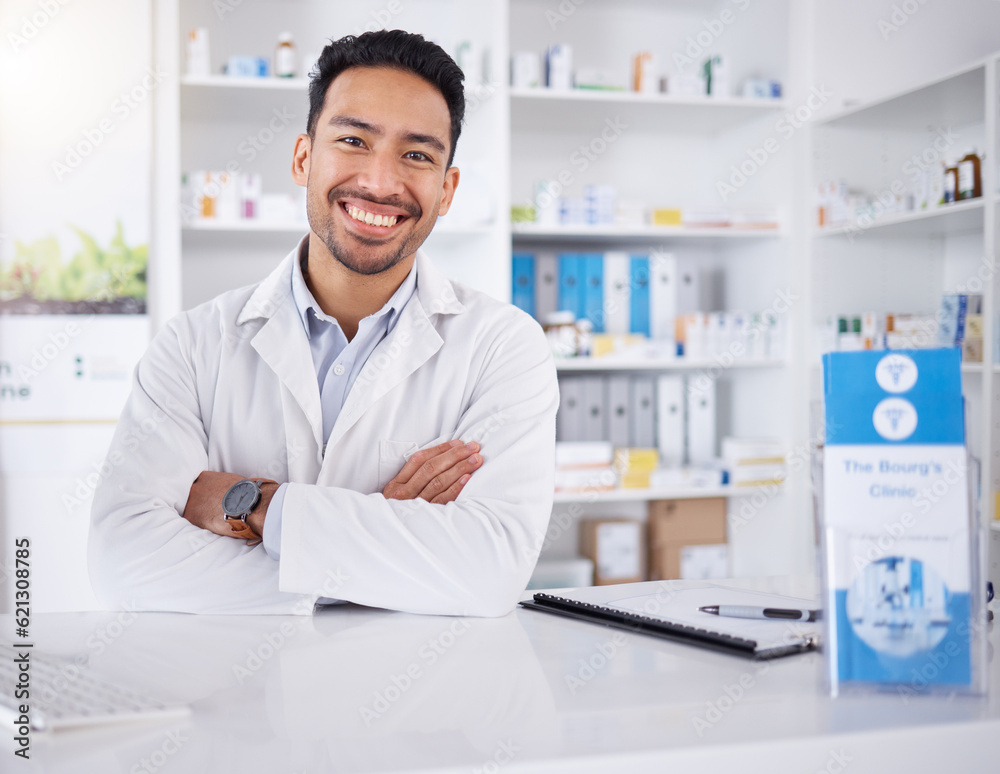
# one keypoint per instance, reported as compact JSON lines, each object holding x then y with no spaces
{"x":237,"y":503}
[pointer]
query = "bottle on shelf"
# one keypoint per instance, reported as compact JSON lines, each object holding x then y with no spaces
{"x":970,"y":179}
{"x":285,"y":56}
{"x":950,"y":183}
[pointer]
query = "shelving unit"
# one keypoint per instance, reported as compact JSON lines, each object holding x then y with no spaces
{"x":613,"y":363}
{"x":644,"y":495}
{"x":951,"y":248}
{"x":652,"y":233}
{"x":683,"y":145}
{"x":205,"y":123}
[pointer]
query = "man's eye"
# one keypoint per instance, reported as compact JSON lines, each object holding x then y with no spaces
{"x":355,"y":141}
{"x":417,"y":156}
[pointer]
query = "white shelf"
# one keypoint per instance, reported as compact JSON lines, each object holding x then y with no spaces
{"x":241,"y":226}
{"x":955,"y":99}
{"x":221,"y":98}
{"x":612,"y":363}
{"x":978,"y":368}
{"x":661,"y":493}
{"x":525,"y":231}
{"x":227,"y":82}
{"x":553,"y":109}
{"x":957,"y":218}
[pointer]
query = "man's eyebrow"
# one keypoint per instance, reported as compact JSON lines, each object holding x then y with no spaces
{"x":425,"y":139}
{"x":357,"y":123}
{"x":366,"y":126}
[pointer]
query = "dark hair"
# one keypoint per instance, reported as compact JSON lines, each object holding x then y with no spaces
{"x":398,"y":50}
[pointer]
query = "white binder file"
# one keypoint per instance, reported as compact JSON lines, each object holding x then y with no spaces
{"x":663,"y":295}
{"x":546,"y":285}
{"x":701,"y":421}
{"x":594,"y":407}
{"x":617,"y":292}
{"x":619,"y":425}
{"x":670,"y":407}
{"x":569,"y":419}
{"x":643,"y":415}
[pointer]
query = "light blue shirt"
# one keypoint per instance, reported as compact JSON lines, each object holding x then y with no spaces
{"x":337,"y":362}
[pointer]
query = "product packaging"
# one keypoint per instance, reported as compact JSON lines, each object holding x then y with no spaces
{"x":904,"y":605}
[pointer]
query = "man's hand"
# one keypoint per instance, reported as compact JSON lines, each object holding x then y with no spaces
{"x":436,"y":474}
{"x":204,"y":504}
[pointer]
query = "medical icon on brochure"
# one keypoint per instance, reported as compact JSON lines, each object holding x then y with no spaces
{"x":898,"y":606}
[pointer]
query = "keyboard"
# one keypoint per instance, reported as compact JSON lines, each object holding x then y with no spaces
{"x":64,"y":695}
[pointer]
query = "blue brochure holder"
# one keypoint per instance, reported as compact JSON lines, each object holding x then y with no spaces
{"x":901,"y":539}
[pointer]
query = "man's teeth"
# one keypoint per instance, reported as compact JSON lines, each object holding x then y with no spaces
{"x":370,"y":218}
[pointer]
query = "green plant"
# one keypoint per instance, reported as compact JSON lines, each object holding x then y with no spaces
{"x":93,"y":273}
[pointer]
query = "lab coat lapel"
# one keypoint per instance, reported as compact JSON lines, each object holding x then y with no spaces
{"x":413,"y":342}
{"x":281,"y":343}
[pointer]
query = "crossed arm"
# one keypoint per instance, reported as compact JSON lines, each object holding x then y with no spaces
{"x":436,"y":474}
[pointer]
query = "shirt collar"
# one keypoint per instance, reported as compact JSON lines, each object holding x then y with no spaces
{"x":304,"y":299}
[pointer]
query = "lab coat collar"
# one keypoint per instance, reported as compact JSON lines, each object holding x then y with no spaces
{"x":435,"y":291}
{"x":282,"y":344}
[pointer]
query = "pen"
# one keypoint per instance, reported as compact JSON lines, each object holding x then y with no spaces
{"x":746,"y":611}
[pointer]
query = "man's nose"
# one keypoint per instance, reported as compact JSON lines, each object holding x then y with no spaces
{"x":381,"y":175}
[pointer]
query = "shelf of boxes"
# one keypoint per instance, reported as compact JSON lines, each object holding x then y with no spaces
{"x":642,"y":495}
{"x":551,"y":108}
{"x":524,"y":231}
{"x":880,"y":146}
{"x":956,"y":218}
{"x":612,"y":363}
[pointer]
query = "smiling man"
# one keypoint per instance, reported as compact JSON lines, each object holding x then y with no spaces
{"x":356,"y":427}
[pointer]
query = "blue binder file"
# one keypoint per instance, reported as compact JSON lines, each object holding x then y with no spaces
{"x":593,"y":292}
{"x":639,"y":298}
{"x":523,"y":282}
{"x":896,"y":523}
{"x":571,"y":284}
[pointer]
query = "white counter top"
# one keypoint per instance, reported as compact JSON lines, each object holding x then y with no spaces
{"x":354,"y":689}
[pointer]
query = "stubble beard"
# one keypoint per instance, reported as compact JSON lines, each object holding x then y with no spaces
{"x":362,"y":261}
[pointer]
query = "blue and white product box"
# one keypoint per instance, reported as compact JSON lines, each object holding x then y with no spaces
{"x":898,"y":542}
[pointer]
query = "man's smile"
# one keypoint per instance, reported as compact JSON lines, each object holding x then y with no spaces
{"x":372,"y":219}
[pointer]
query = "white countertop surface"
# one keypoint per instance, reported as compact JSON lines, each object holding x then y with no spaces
{"x":354,"y":689}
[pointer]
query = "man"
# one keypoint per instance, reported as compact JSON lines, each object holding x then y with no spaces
{"x":387,"y":433}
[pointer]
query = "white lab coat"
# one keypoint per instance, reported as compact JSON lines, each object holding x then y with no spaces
{"x":230,"y":386}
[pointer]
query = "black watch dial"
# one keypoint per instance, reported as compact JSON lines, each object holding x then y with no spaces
{"x":241,"y":498}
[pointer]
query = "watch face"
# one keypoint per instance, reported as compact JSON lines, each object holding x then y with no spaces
{"x":241,"y":497}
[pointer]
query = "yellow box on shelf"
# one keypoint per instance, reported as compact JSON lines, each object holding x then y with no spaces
{"x":634,"y":466}
{"x":608,"y":343}
{"x":666,"y":216}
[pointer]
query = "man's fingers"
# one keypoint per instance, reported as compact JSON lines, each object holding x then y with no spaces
{"x":417,"y":459}
{"x":432,"y":472}
{"x":452,"y":492}
{"x":446,"y":479}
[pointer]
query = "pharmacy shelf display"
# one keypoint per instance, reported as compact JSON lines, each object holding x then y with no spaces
{"x":664,"y":150}
{"x":211,"y":122}
{"x":888,"y":246}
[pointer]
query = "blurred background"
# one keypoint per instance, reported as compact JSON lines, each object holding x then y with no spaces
{"x":781,"y":155}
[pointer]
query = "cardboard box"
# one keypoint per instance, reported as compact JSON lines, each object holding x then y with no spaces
{"x":696,"y":520}
{"x":677,"y":524}
{"x":616,"y":546}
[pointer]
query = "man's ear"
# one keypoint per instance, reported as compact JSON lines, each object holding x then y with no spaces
{"x":300,"y":159}
{"x":450,"y":184}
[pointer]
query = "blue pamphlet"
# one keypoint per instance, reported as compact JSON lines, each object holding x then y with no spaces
{"x":896,"y":521}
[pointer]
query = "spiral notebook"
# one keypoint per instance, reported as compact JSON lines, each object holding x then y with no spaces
{"x":664,"y":609}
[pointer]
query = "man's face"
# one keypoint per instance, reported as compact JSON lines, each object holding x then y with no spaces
{"x":375,"y":170}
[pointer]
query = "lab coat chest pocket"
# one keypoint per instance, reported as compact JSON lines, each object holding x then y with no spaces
{"x":392,"y":455}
